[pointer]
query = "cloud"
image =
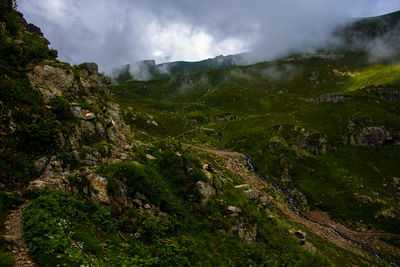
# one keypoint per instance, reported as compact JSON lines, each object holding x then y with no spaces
{"x":117,"y":32}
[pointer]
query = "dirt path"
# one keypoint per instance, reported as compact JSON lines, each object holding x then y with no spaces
{"x":13,"y":235}
{"x":320,"y":223}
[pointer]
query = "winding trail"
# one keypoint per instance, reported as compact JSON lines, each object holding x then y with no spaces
{"x":359,"y":243}
{"x":13,"y":235}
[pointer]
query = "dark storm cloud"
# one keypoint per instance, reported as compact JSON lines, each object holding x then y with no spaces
{"x":116,"y":32}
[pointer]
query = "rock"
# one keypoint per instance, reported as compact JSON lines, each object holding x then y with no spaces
{"x":87,"y":114}
{"x":206,"y":190}
{"x":33,"y":28}
{"x":150,"y":157}
{"x":372,"y":137}
{"x":147,"y":206}
{"x":390,"y":96}
{"x":3,"y":28}
{"x":300,"y":235}
{"x":120,"y":193}
{"x":233,"y":209}
{"x":40,"y":164}
{"x":248,"y":235}
{"x":111,"y":133}
{"x":264,"y":199}
{"x":332,"y":98}
{"x":242,"y":186}
{"x":54,"y":183}
{"x":91,"y":67}
{"x":99,"y":184}
{"x":252,"y":194}
{"x":51,"y":81}
{"x":100,"y":129}
{"x":106,"y":80}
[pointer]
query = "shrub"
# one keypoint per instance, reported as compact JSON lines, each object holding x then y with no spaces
{"x":60,"y":108}
{"x":61,"y":229}
{"x":39,"y":136}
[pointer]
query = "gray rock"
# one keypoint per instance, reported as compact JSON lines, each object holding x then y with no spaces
{"x":233,"y":209}
{"x":91,"y":67}
{"x":252,"y":194}
{"x":40,"y":164}
{"x":390,"y":96}
{"x":206,"y":190}
{"x":242,"y":186}
{"x":372,"y":137}
{"x":111,"y":133}
{"x":88,"y":128}
{"x":264,"y":199}
{"x":150,"y":157}
{"x":100,"y":129}
{"x":299,"y":235}
{"x":333,"y":98}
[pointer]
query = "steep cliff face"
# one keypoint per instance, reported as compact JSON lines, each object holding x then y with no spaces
{"x":57,"y":121}
{"x":97,"y":133}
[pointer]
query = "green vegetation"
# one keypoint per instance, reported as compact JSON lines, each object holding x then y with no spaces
{"x":307,"y":148}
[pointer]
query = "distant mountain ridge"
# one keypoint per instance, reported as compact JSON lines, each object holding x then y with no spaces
{"x":371,"y":33}
{"x":147,"y":69}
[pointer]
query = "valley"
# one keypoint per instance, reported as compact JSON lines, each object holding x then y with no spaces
{"x":288,"y":162}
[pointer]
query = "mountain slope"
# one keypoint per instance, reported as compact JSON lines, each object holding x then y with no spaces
{"x":325,"y":127}
{"x":136,"y":174}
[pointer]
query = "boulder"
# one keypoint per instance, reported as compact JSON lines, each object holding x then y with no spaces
{"x":299,"y":235}
{"x":54,"y":183}
{"x":252,"y":194}
{"x":242,"y":186}
{"x":233,"y":210}
{"x":332,"y":98}
{"x":150,"y":157}
{"x":372,"y":137}
{"x":111,"y":133}
{"x":248,"y":234}
{"x":91,"y":67}
{"x":120,"y":193}
{"x":40,"y":164}
{"x":99,"y":184}
{"x":206,"y":190}
{"x":51,"y":81}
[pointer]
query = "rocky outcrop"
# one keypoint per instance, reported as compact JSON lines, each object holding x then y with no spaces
{"x":332,"y":98}
{"x":233,"y":211}
{"x":372,"y":137}
{"x":206,"y":190}
{"x":389,"y":96}
{"x":300,"y":235}
{"x":51,"y":81}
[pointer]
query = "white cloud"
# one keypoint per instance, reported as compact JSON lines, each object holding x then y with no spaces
{"x":116,"y":32}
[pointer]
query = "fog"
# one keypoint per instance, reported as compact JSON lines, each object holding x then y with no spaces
{"x":118,"y":32}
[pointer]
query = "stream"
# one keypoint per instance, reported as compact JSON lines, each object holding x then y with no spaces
{"x":296,"y":210}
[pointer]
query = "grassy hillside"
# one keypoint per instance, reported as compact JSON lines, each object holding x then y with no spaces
{"x":141,"y":174}
{"x":325,"y":127}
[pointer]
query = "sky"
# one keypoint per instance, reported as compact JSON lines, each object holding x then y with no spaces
{"x":117,"y":32}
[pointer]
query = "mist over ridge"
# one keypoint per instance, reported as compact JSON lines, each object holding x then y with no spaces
{"x":123,"y":32}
